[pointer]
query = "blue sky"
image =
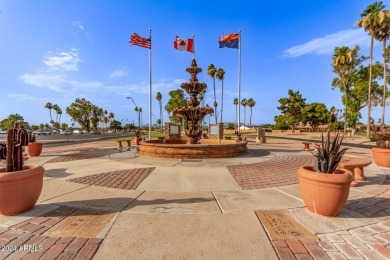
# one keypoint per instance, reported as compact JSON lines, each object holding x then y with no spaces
{"x":57,"y":51}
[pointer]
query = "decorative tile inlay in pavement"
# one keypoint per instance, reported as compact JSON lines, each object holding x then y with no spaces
{"x":86,"y":154}
{"x":279,"y":171}
{"x":125,"y":179}
{"x":25,"y":240}
{"x":281,"y":226}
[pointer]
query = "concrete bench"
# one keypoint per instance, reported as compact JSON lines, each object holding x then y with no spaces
{"x":128,"y":141}
{"x":354,"y":166}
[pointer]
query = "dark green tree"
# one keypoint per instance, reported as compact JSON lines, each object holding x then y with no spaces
{"x":8,"y":122}
{"x":116,"y":125}
{"x":316,"y":114}
{"x":291,"y":109}
{"x":176,"y":99}
{"x":84,"y":113}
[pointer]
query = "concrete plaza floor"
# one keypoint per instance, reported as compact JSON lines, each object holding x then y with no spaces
{"x":100,"y":203}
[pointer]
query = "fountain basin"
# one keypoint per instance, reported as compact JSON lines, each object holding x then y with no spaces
{"x":208,"y":148}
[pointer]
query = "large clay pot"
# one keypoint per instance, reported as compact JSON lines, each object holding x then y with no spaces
{"x":20,"y":190}
{"x":34,"y":149}
{"x":137,"y":140}
{"x":381,"y":156}
{"x":324,"y":194}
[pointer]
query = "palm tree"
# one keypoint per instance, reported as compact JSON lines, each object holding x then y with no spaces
{"x":220,"y":75}
{"x":370,"y":22}
{"x":235,"y":102}
{"x":251,"y":104}
{"x":382,"y":35}
{"x":50,"y":107}
{"x":56,"y":108}
{"x":137,"y":110}
{"x":159,"y":97}
{"x":344,"y":62}
{"x":140,"y":113}
{"x":59,"y":113}
{"x":211,"y":71}
{"x":244,"y":103}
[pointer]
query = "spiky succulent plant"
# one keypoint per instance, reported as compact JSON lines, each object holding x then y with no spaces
{"x":329,"y":154}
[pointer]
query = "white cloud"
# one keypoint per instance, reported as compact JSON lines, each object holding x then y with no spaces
{"x":79,"y":25}
{"x":326,"y":44}
{"x":64,"y":61}
{"x":26,"y":98}
{"x":43,"y":80}
{"x":118,"y":74}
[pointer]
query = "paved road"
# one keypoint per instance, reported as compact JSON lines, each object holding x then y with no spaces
{"x":60,"y":140}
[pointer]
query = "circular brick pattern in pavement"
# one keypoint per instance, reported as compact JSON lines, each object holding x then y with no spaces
{"x":87,"y":154}
{"x":125,"y":179}
{"x":279,"y":171}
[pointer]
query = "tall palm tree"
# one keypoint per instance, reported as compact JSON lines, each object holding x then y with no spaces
{"x":110,"y":117}
{"x":140,"y":113}
{"x":382,"y":35}
{"x":344,"y":62}
{"x":56,"y":108}
{"x":50,"y":107}
{"x":220,"y":75}
{"x":59,"y":113}
{"x":137,"y":110}
{"x":251,"y":104}
{"x":159,"y":98}
{"x":235,"y":102}
{"x":244,"y":103}
{"x":211,"y":71}
{"x":370,"y":22}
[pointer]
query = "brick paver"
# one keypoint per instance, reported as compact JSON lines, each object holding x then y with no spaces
{"x":279,"y":171}
{"x":22,"y":242}
{"x":125,"y":179}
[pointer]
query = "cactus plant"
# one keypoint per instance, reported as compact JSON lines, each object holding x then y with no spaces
{"x":382,"y":139}
{"x":12,"y":152}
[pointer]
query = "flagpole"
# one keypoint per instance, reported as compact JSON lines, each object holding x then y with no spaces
{"x":239,"y":81}
{"x":150,"y":85}
{"x":193,"y":47}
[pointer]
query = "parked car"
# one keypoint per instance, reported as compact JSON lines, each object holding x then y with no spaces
{"x":55,"y":132}
{"x":95,"y":132}
{"x":42,"y":132}
{"x":3,"y":132}
{"x":77,"y":132}
{"x":66,"y":132}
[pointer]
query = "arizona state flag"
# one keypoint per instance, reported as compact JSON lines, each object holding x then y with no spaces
{"x":229,"y":41}
{"x":184,"y":44}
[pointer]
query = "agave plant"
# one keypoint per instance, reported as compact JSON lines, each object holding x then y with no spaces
{"x":329,"y":154}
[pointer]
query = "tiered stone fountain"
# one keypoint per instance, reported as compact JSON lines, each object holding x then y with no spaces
{"x":193,"y":147}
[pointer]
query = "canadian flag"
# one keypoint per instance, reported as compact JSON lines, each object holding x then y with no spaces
{"x":184,"y":44}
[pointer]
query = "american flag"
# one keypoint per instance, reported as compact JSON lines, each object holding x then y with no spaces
{"x":135,"y":39}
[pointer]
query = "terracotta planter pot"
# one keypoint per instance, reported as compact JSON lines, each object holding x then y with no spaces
{"x":238,"y":138}
{"x":137,"y":140}
{"x":34,"y":149}
{"x":381,"y":156}
{"x":324,"y":194}
{"x":19,"y":191}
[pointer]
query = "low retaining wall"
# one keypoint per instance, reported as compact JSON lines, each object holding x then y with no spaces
{"x":222,"y":149}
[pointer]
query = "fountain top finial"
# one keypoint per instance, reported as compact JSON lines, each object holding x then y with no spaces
{"x":193,"y":70}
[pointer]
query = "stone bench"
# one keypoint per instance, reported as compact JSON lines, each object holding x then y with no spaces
{"x":306,"y":145}
{"x":128,"y":141}
{"x":354,"y":166}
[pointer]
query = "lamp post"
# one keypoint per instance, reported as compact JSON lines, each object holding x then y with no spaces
{"x":137,"y":110}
